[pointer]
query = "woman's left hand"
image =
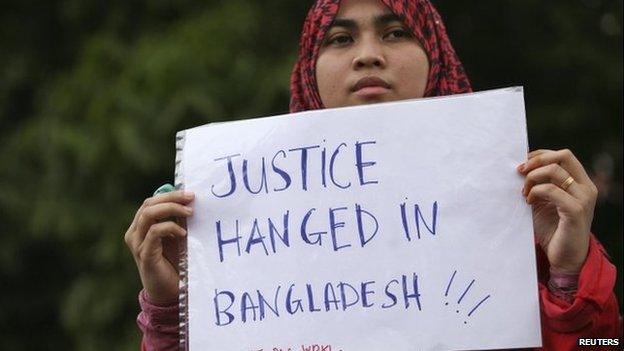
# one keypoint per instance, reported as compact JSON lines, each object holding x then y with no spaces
{"x":563,"y":198}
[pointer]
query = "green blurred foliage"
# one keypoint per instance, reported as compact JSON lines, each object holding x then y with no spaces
{"x":92,"y":93}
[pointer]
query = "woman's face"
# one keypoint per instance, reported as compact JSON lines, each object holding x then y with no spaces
{"x":369,"y":56}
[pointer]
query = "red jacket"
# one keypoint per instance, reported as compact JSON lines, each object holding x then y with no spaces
{"x":594,"y":312}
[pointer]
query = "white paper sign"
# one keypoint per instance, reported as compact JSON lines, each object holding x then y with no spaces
{"x":397,"y":226}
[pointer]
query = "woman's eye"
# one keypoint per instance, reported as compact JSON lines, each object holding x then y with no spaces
{"x":398,"y":34}
{"x":340,"y":40}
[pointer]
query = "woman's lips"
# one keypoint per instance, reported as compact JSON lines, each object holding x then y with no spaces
{"x":371,"y":92}
{"x":370,"y":87}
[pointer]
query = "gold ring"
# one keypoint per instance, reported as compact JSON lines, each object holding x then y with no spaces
{"x":566,"y":183}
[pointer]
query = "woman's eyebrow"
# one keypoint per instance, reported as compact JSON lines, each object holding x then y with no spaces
{"x":386,"y":18}
{"x":379,"y":21}
{"x":343,"y":22}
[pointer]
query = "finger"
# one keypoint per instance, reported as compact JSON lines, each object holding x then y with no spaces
{"x":178,"y":196}
{"x":552,"y":173}
{"x":171,"y":252}
{"x":566,"y":204}
{"x":537,"y":152}
{"x":565,"y":158}
{"x":131,"y":235}
{"x":530,"y":155}
{"x":159,"y":212}
{"x":151,"y":247}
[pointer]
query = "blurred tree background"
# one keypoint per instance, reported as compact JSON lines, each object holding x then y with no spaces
{"x":92,"y":93}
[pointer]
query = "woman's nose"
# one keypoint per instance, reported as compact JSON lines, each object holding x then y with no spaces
{"x":369,"y":55}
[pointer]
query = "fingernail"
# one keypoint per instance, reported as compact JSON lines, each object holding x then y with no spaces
{"x":189,"y":194}
{"x":521,"y":167}
{"x":189,"y":210}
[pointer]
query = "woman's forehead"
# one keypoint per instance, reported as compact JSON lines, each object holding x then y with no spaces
{"x":356,"y":13}
{"x":362,"y":9}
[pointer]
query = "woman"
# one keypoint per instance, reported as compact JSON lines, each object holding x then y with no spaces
{"x":366,"y":51}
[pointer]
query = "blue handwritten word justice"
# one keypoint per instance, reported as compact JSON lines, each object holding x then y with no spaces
{"x":327,"y":172}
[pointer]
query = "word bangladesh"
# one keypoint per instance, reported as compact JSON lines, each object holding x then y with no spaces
{"x":339,"y":227}
{"x":256,"y":306}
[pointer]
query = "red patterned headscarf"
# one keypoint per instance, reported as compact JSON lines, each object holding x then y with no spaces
{"x":446,"y":74}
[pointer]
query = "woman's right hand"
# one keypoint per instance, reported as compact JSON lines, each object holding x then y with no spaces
{"x":153,"y":239}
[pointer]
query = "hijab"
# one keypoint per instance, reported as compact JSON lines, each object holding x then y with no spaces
{"x":446,"y":74}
